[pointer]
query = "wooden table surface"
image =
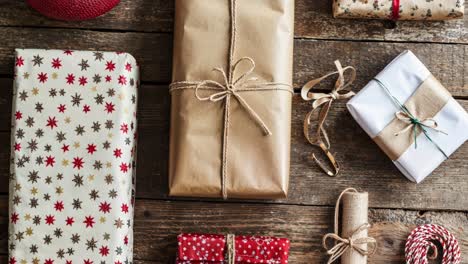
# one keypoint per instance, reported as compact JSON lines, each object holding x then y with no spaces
{"x":144,"y":28}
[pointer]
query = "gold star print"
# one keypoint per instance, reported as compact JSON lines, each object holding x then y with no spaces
{"x":17,"y":187}
{"x":67,"y":120}
{"x":26,"y":75}
{"x":35,"y":260}
{"x":76,"y":144}
{"x":109,"y":164}
{"x":54,"y":75}
{"x":126,"y":110}
{"x":122,"y":96}
{"x":59,"y":190}
{"x":91,"y":177}
{"x":110,"y":135}
{"x":35,"y":91}
{"x":27,"y":217}
{"x":94,"y":89}
{"x":65,"y":162}
{"x":29,"y":231}
{"x":102,"y":219}
{"x":23,"y":261}
{"x":34,"y":191}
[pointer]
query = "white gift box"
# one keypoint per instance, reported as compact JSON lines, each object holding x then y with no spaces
{"x":73,"y":157}
{"x":374,"y":109}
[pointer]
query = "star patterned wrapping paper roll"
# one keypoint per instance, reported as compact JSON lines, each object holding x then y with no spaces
{"x":73,"y":157}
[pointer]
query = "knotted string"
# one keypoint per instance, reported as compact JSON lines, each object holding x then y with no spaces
{"x":231,"y":87}
{"x":231,"y":248}
{"x":325,"y":100}
{"x":350,"y":243}
{"x":413,"y":122}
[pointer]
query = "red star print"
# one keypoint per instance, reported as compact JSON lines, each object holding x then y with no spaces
{"x":110,"y":66}
{"x":105,"y":207}
{"x":19,"y":61}
{"x":87,"y":261}
{"x":122,"y":80}
{"x":56,"y":63}
{"x":42,"y":77}
{"x":124,"y":208}
{"x":68,"y":262}
{"x":70,"y":78}
{"x":65,"y":148}
{"x":51,"y":122}
{"x":89,"y":221}
{"x":62,"y":108}
{"x":17,"y":146}
{"x":117,"y":262}
{"x":18,"y":115}
{"x":78,"y":163}
{"x":50,"y":219}
{"x":48,"y":261}
{"x":58,"y":206}
{"x":12,"y":261}
{"x":91,"y":148}
{"x":86,"y":108}
{"x":83,"y":80}
{"x":14,"y":218}
{"x":70,"y":221}
{"x":110,"y":107}
{"x":126,"y":240}
{"x":123,"y":167}
{"x":117,"y":153}
{"x":108,"y":78}
{"x":124,"y":128}
{"x":104,"y":251}
{"x":68,"y":52}
{"x":128,"y":67}
{"x":50,"y":161}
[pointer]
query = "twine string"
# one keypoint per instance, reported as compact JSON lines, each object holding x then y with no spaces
{"x":351,"y":243}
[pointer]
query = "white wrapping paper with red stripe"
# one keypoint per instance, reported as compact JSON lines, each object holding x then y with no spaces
{"x":212,"y":249}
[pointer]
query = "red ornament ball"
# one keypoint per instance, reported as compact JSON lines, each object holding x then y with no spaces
{"x":72,"y":10}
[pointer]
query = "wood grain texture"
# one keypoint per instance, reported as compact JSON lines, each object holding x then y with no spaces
{"x":157,"y":224}
{"x":312,"y":58}
{"x":363,"y":163}
{"x":313,"y":20}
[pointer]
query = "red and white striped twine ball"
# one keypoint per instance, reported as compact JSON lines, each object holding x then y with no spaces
{"x":422,"y":239}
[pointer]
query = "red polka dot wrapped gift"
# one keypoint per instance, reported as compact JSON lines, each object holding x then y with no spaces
{"x":229,"y":249}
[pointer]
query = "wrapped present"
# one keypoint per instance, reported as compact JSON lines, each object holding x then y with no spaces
{"x":411,"y":116}
{"x":231,"y":98}
{"x":399,"y":9}
{"x":230,"y":249}
{"x":73,"y":157}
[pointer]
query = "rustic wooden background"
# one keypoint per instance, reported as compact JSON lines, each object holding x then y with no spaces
{"x":144,"y":28}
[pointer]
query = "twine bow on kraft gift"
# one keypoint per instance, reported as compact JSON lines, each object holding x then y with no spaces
{"x":323,"y":102}
{"x":341,"y":244}
{"x":232,"y":88}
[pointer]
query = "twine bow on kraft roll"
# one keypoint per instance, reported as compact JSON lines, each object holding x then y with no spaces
{"x":354,"y":244}
{"x":323,"y":102}
{"x":232,"y":88}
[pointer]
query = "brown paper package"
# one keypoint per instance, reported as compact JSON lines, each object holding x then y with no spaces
{"x":257,"y":166}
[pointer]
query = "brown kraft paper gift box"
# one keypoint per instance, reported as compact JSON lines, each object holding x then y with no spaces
{"x":230,"y":136}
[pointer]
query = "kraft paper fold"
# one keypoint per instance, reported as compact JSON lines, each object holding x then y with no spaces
{"x":257,"y":165}
{"x":426,"y":102}
{"x":408,"y":9}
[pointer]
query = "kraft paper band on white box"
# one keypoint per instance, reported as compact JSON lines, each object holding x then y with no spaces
{"x":411,"y":116}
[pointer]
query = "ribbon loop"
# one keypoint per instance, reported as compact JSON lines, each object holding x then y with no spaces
{"x":351,"y":243}
{"x":324,"y":100}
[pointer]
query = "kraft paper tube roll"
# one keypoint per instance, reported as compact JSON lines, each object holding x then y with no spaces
{"x":355,"y":205}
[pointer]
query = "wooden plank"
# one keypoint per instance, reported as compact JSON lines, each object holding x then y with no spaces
{"x":364,"y":165}
{"x":157,"y":224}
{"x":448,"y":62}
{"x":313,"y":20}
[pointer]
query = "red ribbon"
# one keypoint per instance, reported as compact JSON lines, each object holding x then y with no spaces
{"x":396,"y":10}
